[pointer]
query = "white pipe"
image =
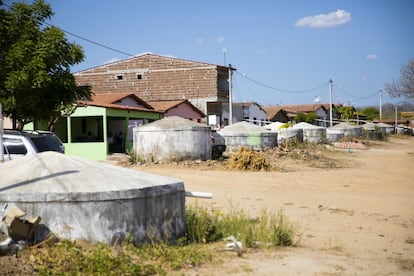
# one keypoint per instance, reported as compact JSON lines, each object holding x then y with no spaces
{"x":199,"y":194}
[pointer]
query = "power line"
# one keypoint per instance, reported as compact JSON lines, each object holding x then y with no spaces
{"x":91,"y":41}
{"x":279,"y":89}
{"x":237,"y":89}
{"x":83,"y":38}
{"x":358,"y":97}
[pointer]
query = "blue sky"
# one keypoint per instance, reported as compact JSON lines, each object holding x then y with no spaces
{"x":292,"y":45}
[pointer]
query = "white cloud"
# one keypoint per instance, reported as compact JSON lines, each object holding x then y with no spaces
{"x":364,"y":78}
{"x":220,"y":39}
{"x":371,"y":57}
{"x":329,"y":20}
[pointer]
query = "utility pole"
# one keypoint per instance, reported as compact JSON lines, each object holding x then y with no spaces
{"x":330,"y":102}
{"x":1,"y":135}
{"x":396,"y":118}
{"x":230,"y":94}
{"x":380,"y":109}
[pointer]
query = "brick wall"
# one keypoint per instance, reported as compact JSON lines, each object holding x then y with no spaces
{"x":153,"y":77}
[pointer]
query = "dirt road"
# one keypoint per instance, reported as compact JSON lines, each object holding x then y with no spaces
{"x":354,"y":220}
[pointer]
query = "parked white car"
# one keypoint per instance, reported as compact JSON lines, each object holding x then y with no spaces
{"x":17,"y":144}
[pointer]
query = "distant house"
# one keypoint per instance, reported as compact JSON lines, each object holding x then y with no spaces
{"x":158,"y":78}
{"x":275,"y":113}
{"x":180,"y":108}
{"x":408,"y":115}
{"x":103,"y":125}
{"x":319,"y":109}
{"x":246,"y":111}
{"x":327,"y":106}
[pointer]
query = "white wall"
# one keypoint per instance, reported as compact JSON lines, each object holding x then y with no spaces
{"x":240,"y":113}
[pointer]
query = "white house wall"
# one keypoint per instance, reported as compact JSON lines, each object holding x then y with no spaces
{"x":256,"y":114}
{"x":321,"y":114}
{"x":253,"y":113}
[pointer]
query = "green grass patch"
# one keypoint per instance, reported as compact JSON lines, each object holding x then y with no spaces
{"x":204,"y":226}
{"x":269,"y":229}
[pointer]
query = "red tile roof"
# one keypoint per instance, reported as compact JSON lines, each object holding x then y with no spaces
{"x":166,"y":105}
{"x":302,"y":107}
{"x":272,"y":110}
{"x":108,"y":100}
{"x":328,"y":105}
{"x":112,"y":98}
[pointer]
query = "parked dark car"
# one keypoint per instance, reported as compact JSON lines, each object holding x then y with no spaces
{"x":218,"y":144}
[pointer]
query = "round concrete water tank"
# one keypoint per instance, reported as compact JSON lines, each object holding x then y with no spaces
{"x":247,"y":135}
{"x":401,"y":129}
{"x":312,"y":133}
{"x":348,"y":129}
{"x":274,"y":126}
{"x":369,"y":126}
{"x":284,"y":132}
{"x":333,"y":135}
{"x":386,"y":128}
{"x":292,"y":134}
{"x":172,"y":139}
{"x":372,"y":131}
{"x":90,"y":200}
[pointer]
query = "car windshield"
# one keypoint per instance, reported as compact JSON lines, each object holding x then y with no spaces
{"x":45,"y":143}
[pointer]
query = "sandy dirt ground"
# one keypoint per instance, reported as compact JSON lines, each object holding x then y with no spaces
{"x":357,"y":219}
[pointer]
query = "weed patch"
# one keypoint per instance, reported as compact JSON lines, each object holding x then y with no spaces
{"x":204,"y":226}
{"x":269,"y":229}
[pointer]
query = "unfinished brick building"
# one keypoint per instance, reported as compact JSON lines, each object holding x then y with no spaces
{"x":154,"y":77}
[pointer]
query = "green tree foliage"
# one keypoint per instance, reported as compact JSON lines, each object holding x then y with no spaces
{"x":300,"y":117}
{"x":35,"y":60}
{"x":306,"y":117}
{"x":371,"y":113}
{"x":404,"y":87}
{"x":311,"y":117}
{"x":345,"y":112}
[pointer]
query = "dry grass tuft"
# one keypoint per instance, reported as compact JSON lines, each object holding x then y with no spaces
{"x":248,"y":159}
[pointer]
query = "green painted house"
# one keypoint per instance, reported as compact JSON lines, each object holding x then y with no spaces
{"x":103,"y":125}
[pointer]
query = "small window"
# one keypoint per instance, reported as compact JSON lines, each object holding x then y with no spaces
{"x":119,"y":77}
{"x":139,"y":76}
